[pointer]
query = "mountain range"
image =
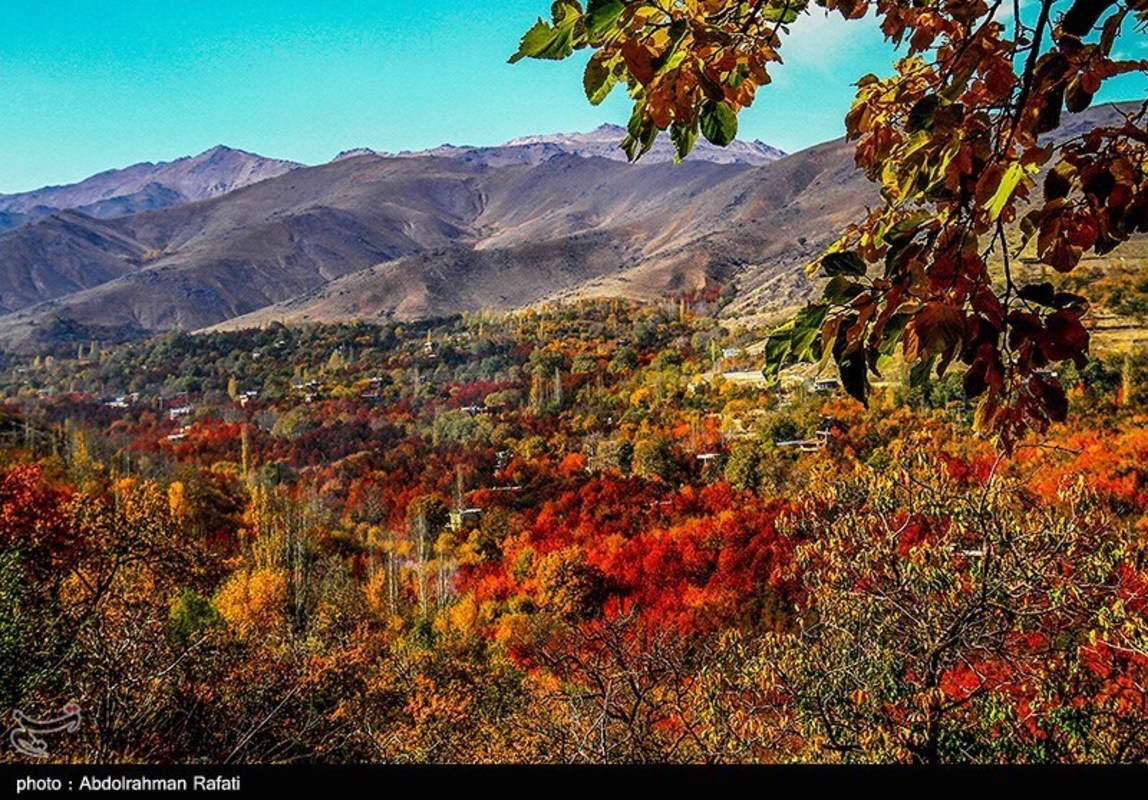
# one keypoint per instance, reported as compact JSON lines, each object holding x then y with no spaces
{"x":145,"y":187}
{"x":602,"y":142}
{"x":232,"y":239}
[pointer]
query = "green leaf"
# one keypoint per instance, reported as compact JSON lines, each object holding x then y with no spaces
{"x":783,"y":11}
{"x":684,"y":137}
{"x":598,"y":80}
{"x":848,"y":263}
{"x":895,"y":258}
{"x":671,"y":60}
{"x":921,"y":116}
{"x":1004,"y":192}
{"x":718,"y":123}
{"x":533,"y":41}
{"x":565,"y":12}
{"x":642,"y":135}
{"x":806,"y":329}
{"x":919,"y":374}
{"x":543,"y":41}
{"x":891,"y":334}
{"x":737,"y":76}
{"x":638,"y":145}
{"x":777,"y":348}
{"x":796,"y":340}
{"x":601,"y":16}
{"x":907,"y":228}
{"x":552,"y":42}
{"x":840,"y":290}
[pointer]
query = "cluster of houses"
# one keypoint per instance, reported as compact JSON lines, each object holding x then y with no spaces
{"x":818,"y":441}
{"x":312,"y":390}
{"x":179,"y":412}
{"x":123,"y":400}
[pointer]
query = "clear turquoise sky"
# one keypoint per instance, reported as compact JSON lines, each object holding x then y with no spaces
{"x":93,"y":84}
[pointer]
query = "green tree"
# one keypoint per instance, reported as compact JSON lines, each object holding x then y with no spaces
{"x":653,"y":458}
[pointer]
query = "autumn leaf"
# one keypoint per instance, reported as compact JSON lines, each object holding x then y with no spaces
{"x":936,"y":327}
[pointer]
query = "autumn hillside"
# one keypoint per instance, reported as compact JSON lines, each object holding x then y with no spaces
{"x":567,"y":535}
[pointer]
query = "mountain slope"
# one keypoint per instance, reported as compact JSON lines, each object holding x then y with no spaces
{"x":61,"y":255}
{"x":575,"y":227}
{"x":291,"y":236}
{"x":333,"y":242}
{"x":368,"y":236}
{"x":272,"y":241}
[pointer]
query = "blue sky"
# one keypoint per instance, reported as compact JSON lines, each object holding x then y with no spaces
{"x":93,"y":84}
